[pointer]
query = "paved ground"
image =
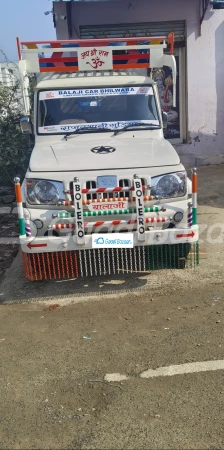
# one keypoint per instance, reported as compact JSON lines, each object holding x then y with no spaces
{"x":56,"y":365}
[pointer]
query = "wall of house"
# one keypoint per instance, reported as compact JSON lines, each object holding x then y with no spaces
{"x":205,"y":64}
{"x":61,"y":25}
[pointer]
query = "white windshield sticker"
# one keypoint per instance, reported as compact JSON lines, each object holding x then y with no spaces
{"x":97,"y":125}
{"x":139,"y":90}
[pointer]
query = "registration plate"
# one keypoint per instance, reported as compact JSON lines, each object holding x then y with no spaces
{"x":107,"y":181}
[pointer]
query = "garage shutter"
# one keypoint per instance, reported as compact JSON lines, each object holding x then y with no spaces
{"x":136,"y":30}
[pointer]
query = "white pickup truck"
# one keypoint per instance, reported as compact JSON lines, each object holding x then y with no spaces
{"x":100,"y":151}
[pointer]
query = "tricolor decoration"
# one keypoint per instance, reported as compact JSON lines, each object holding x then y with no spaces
{"x":19,"y":201}
{"x":65,"y":215}
{"x":194,"y":195}
{"x":27,"y":225}
{"x":64,"y":226}
{"x":106,"y":200}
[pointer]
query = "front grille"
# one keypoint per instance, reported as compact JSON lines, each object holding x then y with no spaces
{"x":144,"y":183}
{"x":91,"y":185}
{"x":124,"y":182}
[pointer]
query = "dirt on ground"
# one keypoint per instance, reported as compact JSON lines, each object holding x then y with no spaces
{"x":60,"y":340}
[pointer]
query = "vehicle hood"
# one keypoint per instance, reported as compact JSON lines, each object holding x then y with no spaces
{"x":123,"y":153}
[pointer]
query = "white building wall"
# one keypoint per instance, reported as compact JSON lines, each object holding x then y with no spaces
{"x":8,"y":73}
{"x":204,"y":62}
{"x":9,"y":76}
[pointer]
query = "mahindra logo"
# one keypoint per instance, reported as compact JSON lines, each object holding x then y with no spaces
{"x":103,"y":150}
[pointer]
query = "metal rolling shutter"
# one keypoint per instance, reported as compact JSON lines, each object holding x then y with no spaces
{"x":136,"y":30}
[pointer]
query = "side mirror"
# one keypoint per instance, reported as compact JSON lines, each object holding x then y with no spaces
{"x":25,"y":125}
{"x":165,"y":119}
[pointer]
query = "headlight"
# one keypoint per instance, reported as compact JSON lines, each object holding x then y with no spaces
{"x":44,"y":192}
{"x":170,"y":186}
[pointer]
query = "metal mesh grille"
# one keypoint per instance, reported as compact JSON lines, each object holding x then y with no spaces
{"x":144,"y":183}
{"x":91,"y":185}
{"x":124,"y":183}
{"x":94,"y":262}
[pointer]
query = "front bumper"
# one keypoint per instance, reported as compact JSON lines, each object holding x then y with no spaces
{"x":69,"y":242}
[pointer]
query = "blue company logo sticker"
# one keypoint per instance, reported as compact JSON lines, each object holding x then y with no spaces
{"x":113,"y":240}
{"x":99,"y":241}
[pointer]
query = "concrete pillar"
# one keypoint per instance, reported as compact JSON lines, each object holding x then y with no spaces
{"x":61,"y":20}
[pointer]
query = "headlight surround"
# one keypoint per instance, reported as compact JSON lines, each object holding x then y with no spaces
{"x":44,"y":192}
{"x":171,"y":185}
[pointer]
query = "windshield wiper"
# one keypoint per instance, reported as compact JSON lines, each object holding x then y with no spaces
{"x":79,"y":130}
{"x":136,"y":124}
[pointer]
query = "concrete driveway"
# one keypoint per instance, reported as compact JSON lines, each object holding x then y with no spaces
{"x":139,"y":366}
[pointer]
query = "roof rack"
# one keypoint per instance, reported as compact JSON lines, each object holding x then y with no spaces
{"x":97,"y":55}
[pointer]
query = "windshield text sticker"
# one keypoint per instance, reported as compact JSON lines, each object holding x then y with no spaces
{"x":98,"y":125}
{"x":99,"y":58}
{"x":50,"y":95}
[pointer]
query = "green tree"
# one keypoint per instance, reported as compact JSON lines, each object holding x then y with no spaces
{"x":15,"y":147}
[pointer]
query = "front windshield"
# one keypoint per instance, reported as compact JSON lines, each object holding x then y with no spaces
{"x":64,"y":111}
